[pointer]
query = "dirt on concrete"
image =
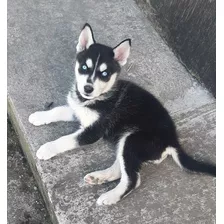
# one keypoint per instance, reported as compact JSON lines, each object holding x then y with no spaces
{"x":25,"y":203}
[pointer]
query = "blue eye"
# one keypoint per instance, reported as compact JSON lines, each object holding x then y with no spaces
{"x":84,"y":67}
{"x":104,"y":74}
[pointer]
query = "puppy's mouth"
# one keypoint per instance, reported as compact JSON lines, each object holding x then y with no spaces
{"x":87,"y":96}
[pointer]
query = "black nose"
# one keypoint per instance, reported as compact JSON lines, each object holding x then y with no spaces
{"x":88,"y":88}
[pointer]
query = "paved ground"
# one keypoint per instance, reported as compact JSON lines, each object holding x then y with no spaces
{"x":25,"y":203}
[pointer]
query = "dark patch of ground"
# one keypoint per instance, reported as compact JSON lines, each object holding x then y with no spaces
{"x":189,"y":28}
{"x":25,"y":203}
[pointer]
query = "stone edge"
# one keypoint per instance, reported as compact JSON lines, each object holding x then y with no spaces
{"x":25,"y":147}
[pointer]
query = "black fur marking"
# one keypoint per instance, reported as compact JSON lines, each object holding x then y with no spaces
{"x":129,"y":108}
{"x":129,"y":40}
{"x":196,"y":166}
{"x":90,"y":135}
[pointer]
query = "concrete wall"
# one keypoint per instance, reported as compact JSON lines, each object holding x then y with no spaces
{"x":189,"y":27}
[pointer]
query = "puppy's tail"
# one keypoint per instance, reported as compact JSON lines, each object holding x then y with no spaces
{"x":185,"y":161}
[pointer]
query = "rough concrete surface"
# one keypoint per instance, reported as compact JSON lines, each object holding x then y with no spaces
{"x":25,"y":203}
{"x":41,"y":50}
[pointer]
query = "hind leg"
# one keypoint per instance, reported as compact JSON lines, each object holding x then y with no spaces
{"x":129,"y":166}
{"x":102,"y":176}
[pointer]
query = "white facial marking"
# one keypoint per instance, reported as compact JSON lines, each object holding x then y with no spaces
{"x":103,"y":67}
{"x":101,"y":87}
{"x":111,"y":82}
{"x":114,"y":195}
{"x":89,"y":63}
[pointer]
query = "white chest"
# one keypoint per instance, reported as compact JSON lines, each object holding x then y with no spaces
{"x":85,"y":115}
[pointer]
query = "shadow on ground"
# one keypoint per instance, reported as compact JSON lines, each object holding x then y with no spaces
{"x":25,"y":203}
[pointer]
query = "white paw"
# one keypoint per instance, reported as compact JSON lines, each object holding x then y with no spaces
{"x":39,"y":118}
{"x":46,"y":151}
{"x":108,"y":198}
{"x":97,"y":177}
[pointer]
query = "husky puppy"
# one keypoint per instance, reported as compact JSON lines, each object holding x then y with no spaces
{"x":129,"y":117}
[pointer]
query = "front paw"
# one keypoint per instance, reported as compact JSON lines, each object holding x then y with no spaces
{"x":46,"y":151}
{"x":39,"y":118}
{"x":109,"y":198}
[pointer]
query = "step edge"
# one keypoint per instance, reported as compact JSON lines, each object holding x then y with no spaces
{"x":31,"y":161}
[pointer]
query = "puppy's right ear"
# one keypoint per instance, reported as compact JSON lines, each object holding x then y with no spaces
{"x":86,"y":38}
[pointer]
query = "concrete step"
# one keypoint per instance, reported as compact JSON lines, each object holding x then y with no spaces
{"x":41,"y":49}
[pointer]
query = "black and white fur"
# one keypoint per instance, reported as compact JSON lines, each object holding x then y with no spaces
{"x":129,"y":117}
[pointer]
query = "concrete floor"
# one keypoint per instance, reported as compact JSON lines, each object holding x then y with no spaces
{"x":25,"y":203}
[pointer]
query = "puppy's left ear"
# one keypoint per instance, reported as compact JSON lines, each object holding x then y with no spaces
{"x":122,"y":51}
{"x":86,"y":38}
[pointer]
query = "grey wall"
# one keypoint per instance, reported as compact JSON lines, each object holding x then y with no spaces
{"x":189,"y":27}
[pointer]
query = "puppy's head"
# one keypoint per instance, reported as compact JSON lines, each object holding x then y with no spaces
{"x":97,"y":65}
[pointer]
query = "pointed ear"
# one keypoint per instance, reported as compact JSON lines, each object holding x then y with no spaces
{"x":86,"y":38}
{"x":122,"y":51}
